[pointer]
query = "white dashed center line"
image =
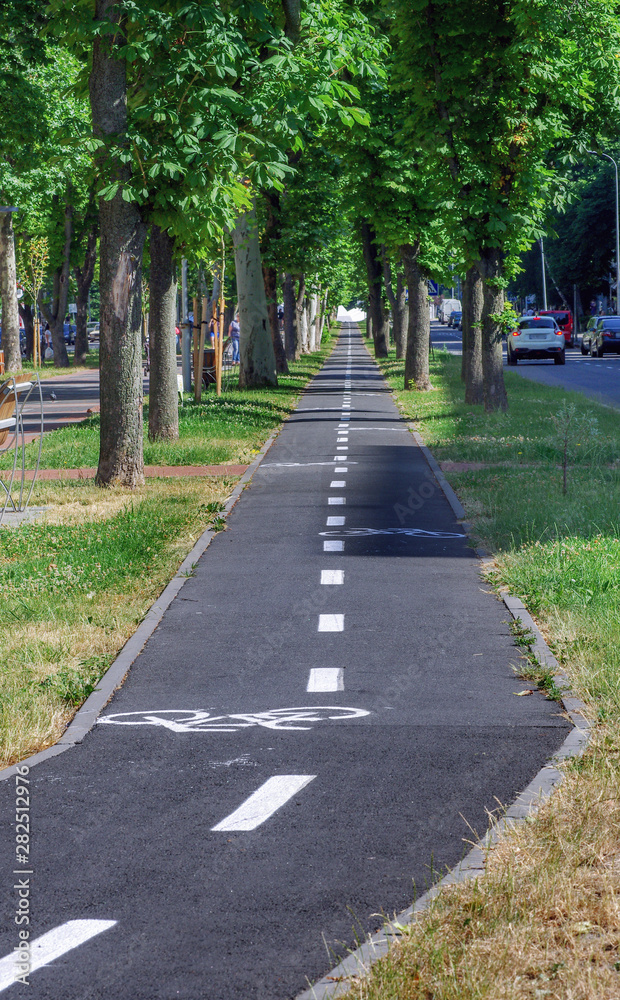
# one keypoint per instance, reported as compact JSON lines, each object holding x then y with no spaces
{"x":332,"y":546}
{"x":53,"y":945}
{"x":335,"y":522}
{"x":336,"y":501}
{"x":332,"y":576}
{"x":331,"y":623}
{"x":337,"y":484}
{"x":326,"y":679}
{"x":264,"y":802}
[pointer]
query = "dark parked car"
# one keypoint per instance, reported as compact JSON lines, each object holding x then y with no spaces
{"x":455,"y":319}
{"x":605,"y":338}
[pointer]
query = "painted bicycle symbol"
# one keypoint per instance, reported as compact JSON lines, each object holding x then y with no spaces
{"x":182,"y":721}
{"x":414,"y":532}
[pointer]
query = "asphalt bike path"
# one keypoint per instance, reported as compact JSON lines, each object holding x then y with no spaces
{"x":314,"y":732}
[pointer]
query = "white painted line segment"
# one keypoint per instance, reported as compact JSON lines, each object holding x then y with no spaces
{"x":336,"y":501}
{"x":332,"y":576}
{"x":331,"y":546}
{"x":342,"y":447}
{"x":326,"y":679}
{"x":264,"y":802}
{"x":52,"y":945}
{"x":341,"y":468}
{"x":337,"y":484}
{"x":331,"y":623}
{"x":335,"y":522}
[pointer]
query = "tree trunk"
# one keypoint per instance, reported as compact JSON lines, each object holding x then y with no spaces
{"x":84,"y":277}
{"x":311,"y":310}
{"x":471,"y":364}
{"x":494,"y":389}
{"x":300,"y":315}
{"x":122,"y":243}
{"x":25,"y":311}
{"x":378,"y":317}
{"x":419,"y":331}
{"x":61,"y":358}
{"x":270,"y":276}
{"x":55,"y":312}
{"x":291,"y":333}
{"x":8,"y":293}
{"x":163,"y":383}
{"x":401,"y":317}
{"x":258,"y":361}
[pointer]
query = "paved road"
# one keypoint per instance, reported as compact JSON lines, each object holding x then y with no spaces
{"x":598,"y":378}
{"x":322,"y":716}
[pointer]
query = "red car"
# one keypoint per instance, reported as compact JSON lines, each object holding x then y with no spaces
{"x":564,"y":319}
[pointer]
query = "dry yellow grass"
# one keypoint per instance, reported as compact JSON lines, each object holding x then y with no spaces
{"x":544,"y":922}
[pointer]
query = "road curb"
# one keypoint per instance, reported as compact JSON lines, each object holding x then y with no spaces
{"x":85,"y":718}
{"x":358,"y":963}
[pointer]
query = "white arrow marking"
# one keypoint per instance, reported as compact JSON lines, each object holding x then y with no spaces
{"x":52,"y":945}
{"x":264,"y":802}
{"x":326,"y":679}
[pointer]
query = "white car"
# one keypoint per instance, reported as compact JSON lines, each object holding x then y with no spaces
{"x":536,"y":337}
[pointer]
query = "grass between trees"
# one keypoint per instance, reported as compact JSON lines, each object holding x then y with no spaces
{"x":545,"y":920}
{"x":76,"y":584}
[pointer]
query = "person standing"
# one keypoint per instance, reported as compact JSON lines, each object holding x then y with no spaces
{"x":234,"y":331}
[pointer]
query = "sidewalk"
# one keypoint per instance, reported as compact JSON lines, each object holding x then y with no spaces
{"x":308,"y":738}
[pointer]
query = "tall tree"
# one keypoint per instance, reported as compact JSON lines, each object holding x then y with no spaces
{"x":123,"y":233}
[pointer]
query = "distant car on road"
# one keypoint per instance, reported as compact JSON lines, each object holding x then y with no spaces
{"x":536,"y":337}
{"x":455,"y":319}
{"x":604,"y":337}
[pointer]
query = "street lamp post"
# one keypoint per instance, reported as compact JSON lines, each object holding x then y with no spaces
{"x":596,"y":152}
{"x":544,"y":276}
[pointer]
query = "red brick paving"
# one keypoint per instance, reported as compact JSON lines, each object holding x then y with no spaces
{"x":150,"y":471}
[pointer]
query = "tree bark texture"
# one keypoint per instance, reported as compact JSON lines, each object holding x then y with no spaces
{"x":123,"y":233}
{"x":291,"y":338}
{"x":374,"y":272}
{"x":494,"y":389}
{"x":8,"y":293}
{"x":471,"y":363}
{"x":419,"y":332}
{"x":270,"y":275}
{"x":258,"y":361}
{"x":292,"y":15}
{"x":84,"y":278}
{"x":163,"y":384}
{"x":27,"y":315}
{"x":300,"y":315}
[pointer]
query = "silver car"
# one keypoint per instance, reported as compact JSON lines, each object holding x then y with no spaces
{"x":536,"y":337}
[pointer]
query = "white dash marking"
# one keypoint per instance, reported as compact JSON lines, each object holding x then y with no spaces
{"x":335,"y":522}
{"x":341,"y":468}
{"x":332,"y":546}
{"x":326,"y":679}
{"x":52,"y":945}
{"x":332,"y":577}
{"x":336,"y":501}
{"x":337,"y":484}
{"x":342,"y":447}
{"x":331,"y":623}
{"x":264,"y":802}
{"x":342,"y":440}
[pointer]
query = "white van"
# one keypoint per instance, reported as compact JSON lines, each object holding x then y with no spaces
{"x":446,"y":307}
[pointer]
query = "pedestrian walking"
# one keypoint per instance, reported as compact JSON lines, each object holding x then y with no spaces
{"x":234,"y":332}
